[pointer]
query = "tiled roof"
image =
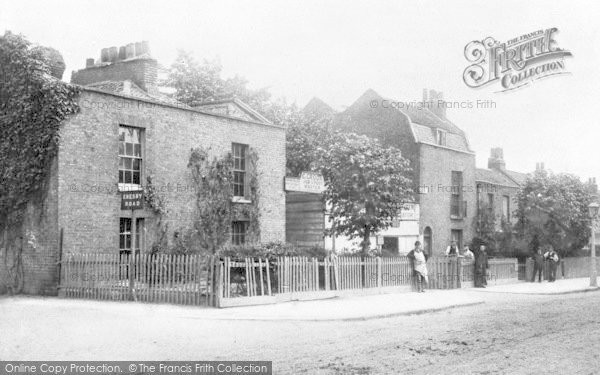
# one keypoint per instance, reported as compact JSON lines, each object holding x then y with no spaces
{"x":518,"y":177}
{"x":495,"y":177}
{"x":423,"y":116}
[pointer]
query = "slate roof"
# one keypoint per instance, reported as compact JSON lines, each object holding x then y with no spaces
{"x":127,"y":87}
{"x":496,"y":177}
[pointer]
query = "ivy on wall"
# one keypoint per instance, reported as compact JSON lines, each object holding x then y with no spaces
{"x":215,"y":208}
{"x":33,"y":104}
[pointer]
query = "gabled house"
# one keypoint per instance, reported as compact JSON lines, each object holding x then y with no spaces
{"x":442,"y":162}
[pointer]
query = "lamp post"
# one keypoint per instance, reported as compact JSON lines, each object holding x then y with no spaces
{"x":593,"y":211}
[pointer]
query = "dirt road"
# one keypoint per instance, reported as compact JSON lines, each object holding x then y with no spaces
{"x":508,"y":334}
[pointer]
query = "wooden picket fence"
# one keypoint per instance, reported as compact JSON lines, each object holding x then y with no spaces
{"x":178,"y":279}
{"x":212,"y":281}
{"x":288,"y":278}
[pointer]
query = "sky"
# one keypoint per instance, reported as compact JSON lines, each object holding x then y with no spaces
{"x":336,"y":50}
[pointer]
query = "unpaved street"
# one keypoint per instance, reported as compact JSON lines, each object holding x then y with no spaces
{"x":508,"y":334}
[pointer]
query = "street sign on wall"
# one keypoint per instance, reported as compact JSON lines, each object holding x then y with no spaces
{"x":308,"y":182}
{"x":132,"y":200}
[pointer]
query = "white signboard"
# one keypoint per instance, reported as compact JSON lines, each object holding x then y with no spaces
{"x":308,"y":182}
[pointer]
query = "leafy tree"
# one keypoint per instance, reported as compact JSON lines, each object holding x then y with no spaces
{"x":200,"y":82}
{"x":553,"y":209}
{"x":305,"y":144}
{"x":366,"y":185}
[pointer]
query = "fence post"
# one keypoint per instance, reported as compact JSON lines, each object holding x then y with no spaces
{"x":379,"y":273}
{"x":219,"y":278}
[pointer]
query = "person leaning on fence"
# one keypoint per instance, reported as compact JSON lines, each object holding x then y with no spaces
{"x":452,"y":250}
{"x":467,"y":253}
{"x":481,"y":266}
{"x":538,"y":265}
{"x":552,"y":257}
{"x":418,"y":260}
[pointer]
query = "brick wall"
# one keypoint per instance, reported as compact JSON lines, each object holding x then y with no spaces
{"x":39,"y":238}
{"x":89,"y":206}
{"x":436,"y":166}
{"x":498,"y":192}
{"x":142,"y":71}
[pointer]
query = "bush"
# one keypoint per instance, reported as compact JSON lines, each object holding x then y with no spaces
{"x":270,"y":250}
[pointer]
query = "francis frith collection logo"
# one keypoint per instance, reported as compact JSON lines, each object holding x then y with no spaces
{"x":515,"y":63}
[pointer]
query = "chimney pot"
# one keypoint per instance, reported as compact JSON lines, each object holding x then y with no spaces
{"x":104,"y":55}
{"x":122,"y":53}
{"x":113,"y":54}
{"x":129,"y":50}
{"x":89,"y":62}
{"x":146,"y":47}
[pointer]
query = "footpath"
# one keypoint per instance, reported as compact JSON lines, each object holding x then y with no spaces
{"x":335,"y":309}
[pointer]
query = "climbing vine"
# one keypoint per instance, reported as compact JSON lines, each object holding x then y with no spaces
{"x":215,"y":206}
{"x":33,"y":104}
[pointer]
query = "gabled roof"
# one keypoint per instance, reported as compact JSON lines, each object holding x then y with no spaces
{"x":317,"y":107}
{"x":518,"y":177}
{"x":127,"y":87}
{"x":494,"y":177}
{"x":234,"y":108}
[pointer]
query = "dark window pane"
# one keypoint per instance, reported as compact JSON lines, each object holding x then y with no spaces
{"x":121,"y":177}
{"x":128,"y":241}
{"x":127,"y":163}
{"x":137,"y":150}
{"x":128,"y":178}
{"x":136,"y":164}
{"x":129,"y":149}
{"x":136,"y":177}
{"x":121,"y":242}
{"x":121,"y":148}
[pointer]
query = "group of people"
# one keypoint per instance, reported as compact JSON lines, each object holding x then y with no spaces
{"x":549,"y":256}
{"x":419,"y":258}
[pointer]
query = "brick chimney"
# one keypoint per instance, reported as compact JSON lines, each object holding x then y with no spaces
{"x":434,"y":101}
{"x":592,"y":185}
{"x":131,"y":62}
{"x":496,"y":159}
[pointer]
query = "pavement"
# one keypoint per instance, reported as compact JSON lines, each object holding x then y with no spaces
{"x":564,"y":286}
{"x":333,"y":309}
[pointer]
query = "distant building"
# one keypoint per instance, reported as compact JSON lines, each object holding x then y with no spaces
{"x":442,"y":162}
{"x":497,"y":188}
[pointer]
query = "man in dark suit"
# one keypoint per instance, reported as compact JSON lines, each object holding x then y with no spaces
{"x":538,"y":265}
{"x":481,"y":266}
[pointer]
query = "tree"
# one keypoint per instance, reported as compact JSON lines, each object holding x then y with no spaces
{"x":200,"y":82}
{"x":366,"y":185}
{"x":553,"y":209}
{"x":306,"y":141}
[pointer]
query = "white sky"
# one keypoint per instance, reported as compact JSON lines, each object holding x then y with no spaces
{"x":337,"y":49}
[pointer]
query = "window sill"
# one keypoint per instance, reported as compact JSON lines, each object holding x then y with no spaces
{"x":129,"y":187}
{"x":453,"y":217}
{"x":240,"y":200}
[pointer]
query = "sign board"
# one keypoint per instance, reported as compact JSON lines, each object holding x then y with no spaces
{"x":132,"y":200}
{"x":308,"y":182}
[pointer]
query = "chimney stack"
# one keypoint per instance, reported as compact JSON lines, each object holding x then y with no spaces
{"x":496,"y":159}
{"x":434,"y":100}
{"x":130,"y":62}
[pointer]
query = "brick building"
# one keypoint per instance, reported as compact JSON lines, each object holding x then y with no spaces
{"x":125,"y":132}
{"x":443,"y":165}
{"x":497,"y":188}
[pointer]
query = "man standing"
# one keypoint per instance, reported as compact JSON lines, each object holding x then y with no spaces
{"x":552,"y":257}
{"x":481,"y":265}
{"x":538,"y":265}
{"x":418,"y":260}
